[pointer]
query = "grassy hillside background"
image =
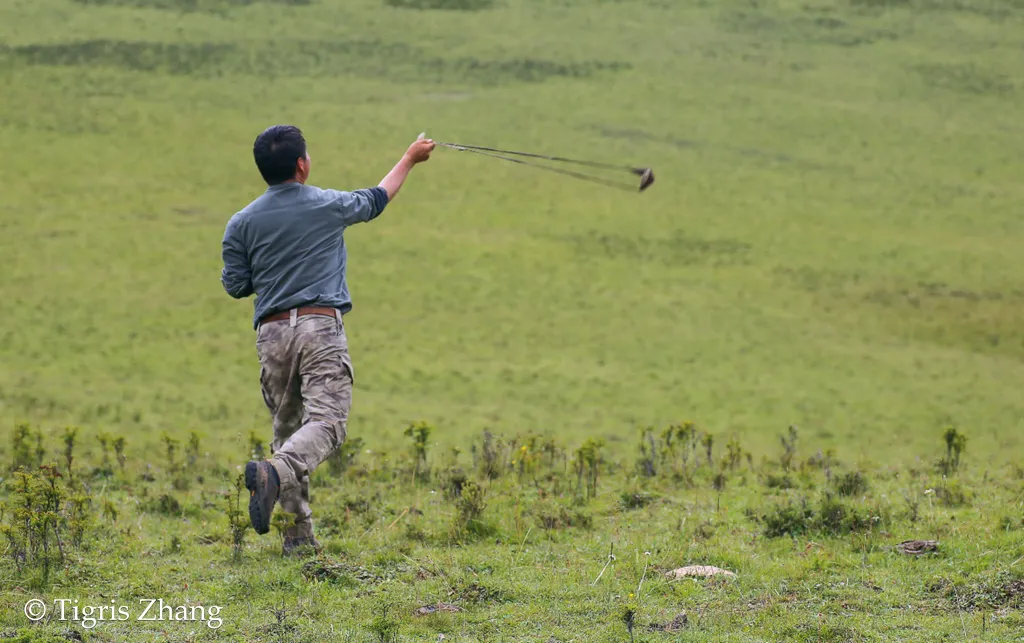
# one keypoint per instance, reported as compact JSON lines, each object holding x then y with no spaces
{"x":834,"y":240}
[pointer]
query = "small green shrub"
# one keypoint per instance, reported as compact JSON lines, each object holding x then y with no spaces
{"x":587,"y":462}
{"x":789,"y":442}
{"x":238,"y":521}
{"x":491,"y":457}
{"x":789,"y":519}
{"x":415,"y":533}
{"x":557,"y":515}
{"x":452,"y":481}
{"x":636,"y":498}
{"x":477,"y":593}
{"x":704,"y":531}
{"x":80,"y":518}
{"x":42,"y":517}
{"x":21,"y":447}
{"x":174,"y":546}
{"x":109,"y":510}
{"x":680,"y":441}
{"x":119,"y":444}
{"x":192,"y":450}
{"x":776,"y":481}
{"x":648,"y":453}
{"x":257,"y":449}
{"x":105,"y":470}
{"x":339,"y":462}
{"x":419,"y":434}
{"x":734,"y":454}
{"x":831,"y":516}
{"x":953,"y":493}
{"x":383,"y":625}
{"x":956,"y":444}
{"x":166,"y":504}
{"x":70,"y":437}
{"x":835,"y":517}
{"x":171,"y":448}
{"x":357,"y":503}
{"x":708,"y":442}
{"x":281,"y":522}
{"x":853,"y":483}
{"x":472,"y":502}
{"x":27,"y":448}
{"x":913,"y":503}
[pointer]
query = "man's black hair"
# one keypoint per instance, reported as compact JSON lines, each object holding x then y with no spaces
{"x":277,"y":150}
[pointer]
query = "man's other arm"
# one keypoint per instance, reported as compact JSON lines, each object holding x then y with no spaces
{"x":237,"y":274}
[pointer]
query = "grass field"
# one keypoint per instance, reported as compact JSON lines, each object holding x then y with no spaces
{"x":833,"y":242}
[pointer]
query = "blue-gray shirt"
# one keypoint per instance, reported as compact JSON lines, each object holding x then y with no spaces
{"x":288,"y":247}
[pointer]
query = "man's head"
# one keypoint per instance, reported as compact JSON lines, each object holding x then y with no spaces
{"x":280,"y":153}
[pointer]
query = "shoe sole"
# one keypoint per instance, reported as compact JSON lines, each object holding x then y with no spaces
{"x":258,"y":521}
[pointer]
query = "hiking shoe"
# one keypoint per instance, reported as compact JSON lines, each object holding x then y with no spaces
{"x":301,"y":546}
{"x":264,"y":486}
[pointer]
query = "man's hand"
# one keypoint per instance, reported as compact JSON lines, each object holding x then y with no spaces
{"x":420,"y":150}
{"x":417,"y":153}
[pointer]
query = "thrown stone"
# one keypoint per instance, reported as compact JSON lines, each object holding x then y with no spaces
{"x":700,"y":571}
{"x":434,"y":609}
{"x":917,"y":547}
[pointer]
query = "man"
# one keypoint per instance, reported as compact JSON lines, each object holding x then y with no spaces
{"x":288,"y":248}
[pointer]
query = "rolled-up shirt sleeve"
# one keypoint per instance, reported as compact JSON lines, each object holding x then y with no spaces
{"x":237,"y":274}
{"x":357,"y":206}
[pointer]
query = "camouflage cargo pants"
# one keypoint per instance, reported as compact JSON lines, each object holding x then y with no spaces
{"x":306,"y":376}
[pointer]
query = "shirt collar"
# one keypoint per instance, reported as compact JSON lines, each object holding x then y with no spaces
{"x":282,"y":186}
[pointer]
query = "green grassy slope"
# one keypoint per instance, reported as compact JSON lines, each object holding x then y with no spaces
{"x":833,"y":240}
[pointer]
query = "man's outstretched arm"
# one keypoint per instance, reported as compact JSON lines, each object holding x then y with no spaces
{"x":367,"y":204}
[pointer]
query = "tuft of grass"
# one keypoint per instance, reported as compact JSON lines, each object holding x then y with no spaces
{"x":851,"y":483}
{"x":1002,"y":590}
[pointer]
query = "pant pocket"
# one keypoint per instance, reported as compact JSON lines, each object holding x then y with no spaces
{"x":268,"y":397}
{"x":347,"y":362}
